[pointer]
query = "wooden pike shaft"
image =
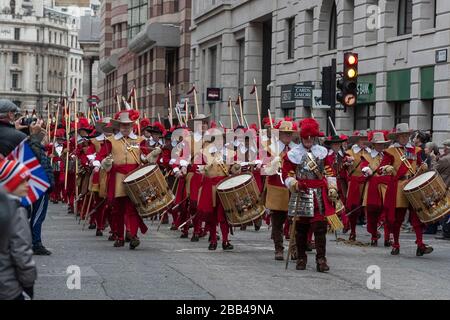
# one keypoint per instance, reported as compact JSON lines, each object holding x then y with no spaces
{"x":54,"y":134}
{"x":67,"y":112}
{"x":196,"y":102}
{"x":76,"y":147}
{"x":170,"y":107}
{"x":270,"y":119}
{"x":137,"y":109}
{"x":257,"y":105}
{"x":241,"y":109}
{"x":231,"y":113}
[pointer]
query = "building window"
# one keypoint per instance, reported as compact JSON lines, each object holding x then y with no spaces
{"x":125,"y":85}
{"x":213,"y":68}
{"x":401,"y":113}
{"x":137,"y":16}
{"x":364,"y":117}
{"x":289,"y":113}
{"x":176,"y":5}
{"x":171,"y":67}
{"x":15,"y":58}
{"x":434,"y":13}
{"x":404,"y":17}
{"x":15,"y":81}
{"x":49,"y":37}
{"x":16,"y":33}
{"x":332,"y":37}
{"x":60,"y":39}
{"x":291,"y":37}
{"x":241,"y":44}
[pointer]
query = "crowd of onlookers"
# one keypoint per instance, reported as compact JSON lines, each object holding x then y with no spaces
{"x":20,"y":227}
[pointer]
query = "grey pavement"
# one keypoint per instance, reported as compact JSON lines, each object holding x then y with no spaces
{"x":167,"y":267}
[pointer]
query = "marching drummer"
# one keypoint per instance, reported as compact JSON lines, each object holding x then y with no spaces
{"x":401,"y":161}
{"x":277,"y":197}
{"x":376,"y":187}
{"x":120,"y":155}
{"x":215,"y":170}
{"x":357,"y":180}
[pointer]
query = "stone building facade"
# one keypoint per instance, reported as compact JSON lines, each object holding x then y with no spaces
{"x":403,"y":47}
{"x":37,"y":44}
{"x":145,"y":44}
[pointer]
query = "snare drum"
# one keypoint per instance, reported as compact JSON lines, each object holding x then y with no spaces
{"x":148,"y":190}
{"x":239,"y":196}
{"x":429,"y":196}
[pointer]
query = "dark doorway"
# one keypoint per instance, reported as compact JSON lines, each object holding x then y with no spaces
{"x":266,"y":66}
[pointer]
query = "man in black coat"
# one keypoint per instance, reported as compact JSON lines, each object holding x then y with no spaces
{"x":11,"y":137}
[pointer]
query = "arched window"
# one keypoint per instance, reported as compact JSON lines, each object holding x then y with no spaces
{"x":332,"y":37}
{"x":404,"y":17}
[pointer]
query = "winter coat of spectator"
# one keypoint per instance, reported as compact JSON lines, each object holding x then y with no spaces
{"x":11,"y":137}
{"x":442,"y":164}
{"x":431,"y":148}
{"x":17,"y":267}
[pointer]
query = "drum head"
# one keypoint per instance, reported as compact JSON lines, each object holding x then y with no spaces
{"x":139,"y":173}
{"x":419,"y":181}
{"x":234,"y":182}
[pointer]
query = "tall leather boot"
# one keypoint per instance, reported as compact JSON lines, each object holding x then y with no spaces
{"x":301,"y":238}
{"x":320,"y":232}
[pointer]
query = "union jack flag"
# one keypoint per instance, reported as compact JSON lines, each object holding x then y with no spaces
{"x":38,"y":182}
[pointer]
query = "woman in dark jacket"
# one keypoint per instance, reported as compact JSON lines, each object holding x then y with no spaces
{"x":17,"y":267}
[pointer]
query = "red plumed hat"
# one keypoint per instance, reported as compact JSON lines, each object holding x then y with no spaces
{"x":145,"y":123}
{"x":159,"y":127}
{"x":83,"y":123}
{"x":213,"y":124}
{"x":60,"y":133}
{"x":309,"y":127}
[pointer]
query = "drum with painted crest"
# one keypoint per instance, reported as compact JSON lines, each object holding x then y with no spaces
{"x":148,"y":190}
{"x":240,"y":198}
{"x":429,"y":196}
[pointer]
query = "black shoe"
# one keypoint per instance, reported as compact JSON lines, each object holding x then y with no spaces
{"x":243,"y":228}
{"x":279,"y":256}
{"x":173,"y":228}
{"x":352,"y":237}
{"x":127,"y":237}
{"x":92,"y":226}
{"x":41,"y":251}
{"x":424,"y":250}
{"x":257,"y":227}
{"x":387,"y":243}
{"x":119,"y":243}
{"x":309,"y":247}
{"x":212,"y":246}
{"x":195,"y":238}
{"x":301,"y":264}
{"x":99,"y":233}
{"x":112,"y":238}
{"x":227,"y":246}
{"x":374,"y":243}
{"x":322,"y":265}
{"x":184,"y":236}
{"x":134,"y":243}
{"x":395,"y":251}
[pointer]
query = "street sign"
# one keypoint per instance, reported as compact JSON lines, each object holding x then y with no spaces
{"x":93,"y":100}
{"x":365,"y":88}
{"x":295,"y":92}
{"x":213,"y":94}
{"x":317,"y":102}
{"x":441,"y":56}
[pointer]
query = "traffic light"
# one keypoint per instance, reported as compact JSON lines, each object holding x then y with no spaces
{"x":348,"y":85}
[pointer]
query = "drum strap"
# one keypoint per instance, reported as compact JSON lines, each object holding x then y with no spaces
{"x":405,"y":161}
{"x":130,"y":148}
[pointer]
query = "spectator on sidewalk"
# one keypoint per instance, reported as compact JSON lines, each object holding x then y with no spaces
{"x":442,"y":165}
{"x":11,"y":136}
{"x":17,"y":267}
